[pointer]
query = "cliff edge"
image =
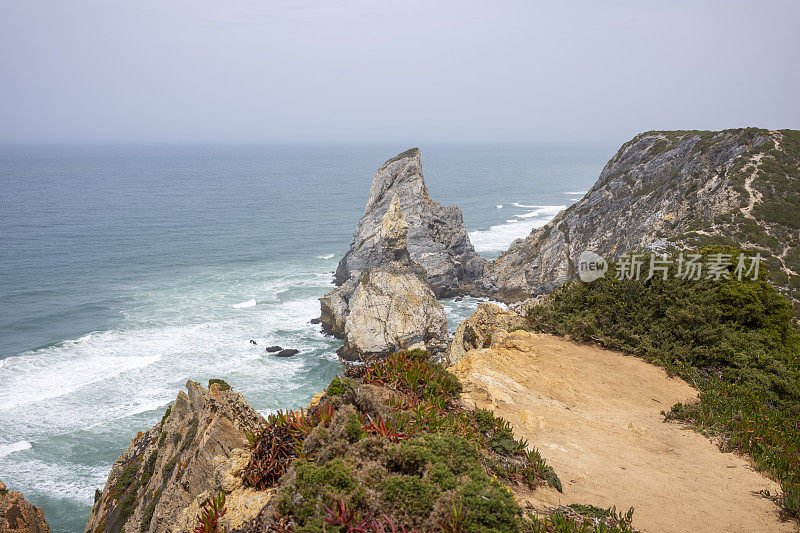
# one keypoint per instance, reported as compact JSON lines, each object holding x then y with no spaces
{"x":665,"y":189}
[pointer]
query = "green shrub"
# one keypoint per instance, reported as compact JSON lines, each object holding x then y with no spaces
{"x":149,"y":467}
{"x":353,"y":429}
{"x":221,"y":384}
{"x":735,"y":340}
{"x":337,"y":387}
{"x":169,"y":467}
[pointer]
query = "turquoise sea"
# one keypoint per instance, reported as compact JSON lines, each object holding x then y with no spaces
{"x":126,"y":270}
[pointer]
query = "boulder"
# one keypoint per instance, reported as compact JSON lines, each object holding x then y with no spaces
{"x":273,"y":349}
{"x":287,"y":353}
{"x":437,"y":239}
{"x":198,"y":449}
{"x":481,"y":329}
{"x":18,"y":515}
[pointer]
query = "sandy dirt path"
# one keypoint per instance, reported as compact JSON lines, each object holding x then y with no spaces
{"x":595,"y":416}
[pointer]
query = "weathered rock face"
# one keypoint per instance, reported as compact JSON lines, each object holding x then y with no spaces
{"x":387,"y":307}
{"x":199,"y":449}
{"x":17,"y":515}
{"x":391,"y":310}
{"x":483,"y":327}
{"x":668,"y":188}
{"x":436,"y":236}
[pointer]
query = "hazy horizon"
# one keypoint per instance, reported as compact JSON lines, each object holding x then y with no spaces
{"x":118,"y":71}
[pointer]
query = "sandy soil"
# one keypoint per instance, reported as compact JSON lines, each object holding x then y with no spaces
{"x":595,"y":417}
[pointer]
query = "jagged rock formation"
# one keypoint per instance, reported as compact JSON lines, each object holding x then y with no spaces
{"x":197,"y":450}
{"x":387,"y":307}
{"x":436,"y":238}
{"x":17,"y":515}
{"x":481,"y":329}
{"x":672,"y":188}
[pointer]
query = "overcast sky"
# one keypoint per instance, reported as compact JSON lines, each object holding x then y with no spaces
{"x":410,"y":72}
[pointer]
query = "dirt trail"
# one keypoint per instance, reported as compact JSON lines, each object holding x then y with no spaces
{"x":595,"y":417}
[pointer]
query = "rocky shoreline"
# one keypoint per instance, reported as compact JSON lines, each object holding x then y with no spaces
{"x":661,"y":190}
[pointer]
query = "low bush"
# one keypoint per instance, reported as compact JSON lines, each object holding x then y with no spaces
{"x":737,"y":341}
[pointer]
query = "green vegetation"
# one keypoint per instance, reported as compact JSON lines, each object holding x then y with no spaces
{"x":128,"y":476}
{"x":147,"y":514}
{"x":353,"y":429}
{"x":166,"y":414}
{"x":773,"y":230}
{"x":397,"y":450}
{"x":169,"y":467}
{"x":149,"y":467}
{"x":190,"y":434}
{"x":213,"y":509}
{"x":337,"y":387}
{"x":582,"y":519}
{"x":737,"y":341}
{"x":220,"y":383}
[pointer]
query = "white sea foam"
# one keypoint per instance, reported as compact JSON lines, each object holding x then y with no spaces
{"x":497,"y":238}
{"x":245,"y":304}
{"x":575,"y":193}
{"x":499,"y":206}
{"x":517,"y":204}
{"x":62,"y":369}
{"x":326,"y":256}
{"x":59,"y":479}
{"x":8,"y":449}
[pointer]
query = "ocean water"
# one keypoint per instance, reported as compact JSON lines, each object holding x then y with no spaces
{"x":126,"y":270}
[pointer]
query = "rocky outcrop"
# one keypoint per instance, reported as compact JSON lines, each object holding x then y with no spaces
{"x":17,"y":515}
{"x":484,"y":326}
{"x":661,"y":189}
{"x":387,"y":307}
{"x":436,"y":236}
{"x":197,"y":450}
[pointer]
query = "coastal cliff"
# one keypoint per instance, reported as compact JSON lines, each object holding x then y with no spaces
{"x":18,"y":515}
{"x":667,"y":189}
{"x":199,"y":449}
{"x":373,"y":442}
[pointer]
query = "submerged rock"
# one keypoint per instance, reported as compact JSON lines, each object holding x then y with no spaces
{"x":197,"y":450}
{"x":287,"y":353}
{"x":387,"y":307}
{"x":18,"y":515}
{"x":273,"y":349}
{"x":437,"y":239}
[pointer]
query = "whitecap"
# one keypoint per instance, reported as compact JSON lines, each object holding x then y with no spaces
{"x":326,"y":256}
{"x":242,"y":305}
{"x":497,"y":238}
{"x":41,"y":375}
{"x":499,"y":206}
{"x":8,"y":449}
{"x":576,"y":193}
{"x":517,"y":204}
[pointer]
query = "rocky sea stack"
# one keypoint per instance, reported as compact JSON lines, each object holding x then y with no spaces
{"x":407,"y":251}
{"x":389,"y":306}
{"x":437,"y":238}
